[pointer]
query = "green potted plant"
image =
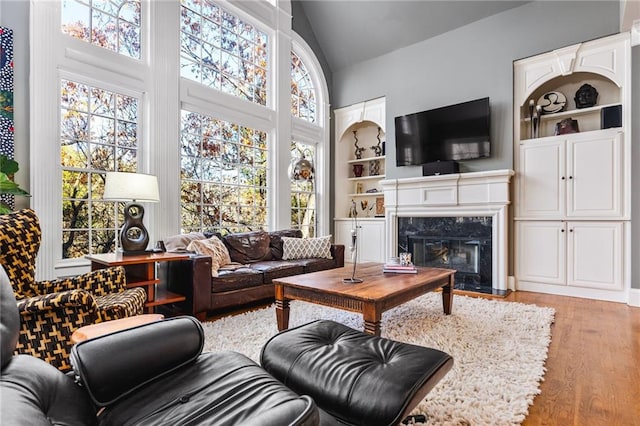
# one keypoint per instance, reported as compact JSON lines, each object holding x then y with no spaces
{"x":8,"y":168}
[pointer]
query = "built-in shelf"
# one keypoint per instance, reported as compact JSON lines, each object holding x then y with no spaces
{"x":362,"y":160}
{"x":367,"y":177}
{"x":573,"y":112}
{"x":368,"y":194}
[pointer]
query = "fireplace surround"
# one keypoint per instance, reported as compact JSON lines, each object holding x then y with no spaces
{"x":417,"y":209}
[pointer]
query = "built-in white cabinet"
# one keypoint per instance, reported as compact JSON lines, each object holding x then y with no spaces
{"x":573,"y":254}
{"x":579,"y":175}
{"x":357,"y":174}
{"x":370,"y":237}
{"x":573,"y":171}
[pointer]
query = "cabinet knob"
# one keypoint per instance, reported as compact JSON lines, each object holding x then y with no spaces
{"x":570,"y":177}
{"x":562,"y":177}
{"x":571,"y":230}
{"x":562,"y":230}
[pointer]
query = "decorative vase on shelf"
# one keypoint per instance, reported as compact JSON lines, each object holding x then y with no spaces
{"x":357,"y":170}
{"x":358,"y":149}
{"x":374,"y":167}
{"x":377,"y":149}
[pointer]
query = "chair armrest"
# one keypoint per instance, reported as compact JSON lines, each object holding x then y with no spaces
{"x":58,"y":301}
{"x":192,"y":279}
{"x":47,"y":322}
{"x":337,"y":252}
{"x":112,"y":366}
{"x":99,"y":282}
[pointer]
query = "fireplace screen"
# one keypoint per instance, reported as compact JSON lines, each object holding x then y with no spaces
{"x":460,"y":243}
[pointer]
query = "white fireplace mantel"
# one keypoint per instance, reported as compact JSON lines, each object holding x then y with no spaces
{"x":453,"y":195}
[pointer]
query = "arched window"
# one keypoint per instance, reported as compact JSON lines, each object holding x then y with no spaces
{"x":303,"y":94}
{"x":309,"y":145}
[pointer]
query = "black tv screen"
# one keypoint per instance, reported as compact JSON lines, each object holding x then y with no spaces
{"x":454,"y":132}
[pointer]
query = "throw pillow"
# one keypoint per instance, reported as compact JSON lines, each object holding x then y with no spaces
{"x":214,"y":248}
{"x":306,"y":248}
{"x":178,"y":243}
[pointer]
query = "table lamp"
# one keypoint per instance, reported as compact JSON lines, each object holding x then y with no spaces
{"x":133,"y":188}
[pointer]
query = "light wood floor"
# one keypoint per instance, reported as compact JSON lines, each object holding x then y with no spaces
{"x":593,"y":367}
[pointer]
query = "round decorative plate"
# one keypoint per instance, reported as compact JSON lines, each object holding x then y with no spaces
{"x":552,"y":102}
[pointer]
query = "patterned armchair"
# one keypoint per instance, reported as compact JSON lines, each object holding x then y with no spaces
{"x":50,"y":311}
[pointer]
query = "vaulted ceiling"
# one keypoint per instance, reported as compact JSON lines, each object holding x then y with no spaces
{"x":351,"y":31}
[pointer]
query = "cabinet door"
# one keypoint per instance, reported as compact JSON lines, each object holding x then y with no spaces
{"x":541,"y":179}
{"x":595,"y":254}
{"x":594,"y":176}
{"x":541,"y":251}
{"x":371,"y":241}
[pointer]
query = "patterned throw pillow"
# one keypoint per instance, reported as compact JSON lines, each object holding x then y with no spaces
{"x":214,"y":248}
{"x":306,"y":248}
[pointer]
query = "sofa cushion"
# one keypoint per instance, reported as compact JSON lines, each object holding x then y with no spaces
{"x":316,"y":264}
{"x":248,"y":247}
{"x":306,"y":248}
{"x":214,"y":248}
{"x":235,"y":280}
{"x":274,"y":269}
{"x":275,"y":243}
{"x":178,"y":243}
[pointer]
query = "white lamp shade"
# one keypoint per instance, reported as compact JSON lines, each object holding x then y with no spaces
{"x":121,"y":186}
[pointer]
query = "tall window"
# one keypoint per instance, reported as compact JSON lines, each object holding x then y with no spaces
{"x":303,"y":94}
{"x":182,"y":89}
{"x":98,"y":133}
{"x":303,"y":196}
{"x":221,"y":51}
{"x":223,"y":176}
{"x":111,"y":24}
{"x":304,"y":107}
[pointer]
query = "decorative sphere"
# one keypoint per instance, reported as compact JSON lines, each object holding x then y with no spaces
{"x":301,"y":169}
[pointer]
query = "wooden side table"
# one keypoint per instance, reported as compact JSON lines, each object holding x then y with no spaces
{"x":141,"y":272}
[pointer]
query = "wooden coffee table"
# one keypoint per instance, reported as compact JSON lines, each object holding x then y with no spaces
{"x":377,"y":293}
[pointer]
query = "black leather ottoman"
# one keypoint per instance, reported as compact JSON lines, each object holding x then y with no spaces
{"x":355,"y":378}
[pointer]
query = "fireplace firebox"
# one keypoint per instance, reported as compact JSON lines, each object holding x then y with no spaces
{"x":461,"y":243}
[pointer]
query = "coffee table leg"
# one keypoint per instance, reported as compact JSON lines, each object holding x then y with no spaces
{"x":447,"y":295}
{"x":282,"y":309}
{"x":372,"y":319}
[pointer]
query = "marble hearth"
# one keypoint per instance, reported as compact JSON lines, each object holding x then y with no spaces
{"x":459,"y":221}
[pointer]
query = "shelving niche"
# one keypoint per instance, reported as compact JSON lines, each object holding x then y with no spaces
{"x":367,"y":119}
{"x":589,"y":119}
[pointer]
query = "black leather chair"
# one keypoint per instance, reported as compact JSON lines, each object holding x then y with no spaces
{"x":150,"y":375}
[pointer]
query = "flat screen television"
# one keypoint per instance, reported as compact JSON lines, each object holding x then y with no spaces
{"x":450,"y":133}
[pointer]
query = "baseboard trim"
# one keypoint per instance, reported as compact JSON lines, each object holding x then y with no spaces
{"x":634,"y":297}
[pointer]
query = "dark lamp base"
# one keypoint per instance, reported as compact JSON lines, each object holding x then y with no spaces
{"x":352,"y":280}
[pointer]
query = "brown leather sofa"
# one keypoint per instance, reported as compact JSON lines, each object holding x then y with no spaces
{"x":260,"y":254}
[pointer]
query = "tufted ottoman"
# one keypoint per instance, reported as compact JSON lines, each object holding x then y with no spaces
{"x":355,"y":378}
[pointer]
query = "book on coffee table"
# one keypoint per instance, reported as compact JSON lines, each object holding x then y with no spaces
{"x":399,"y":269}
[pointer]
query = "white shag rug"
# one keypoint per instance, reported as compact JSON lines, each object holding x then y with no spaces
{"x":499,"y":350}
